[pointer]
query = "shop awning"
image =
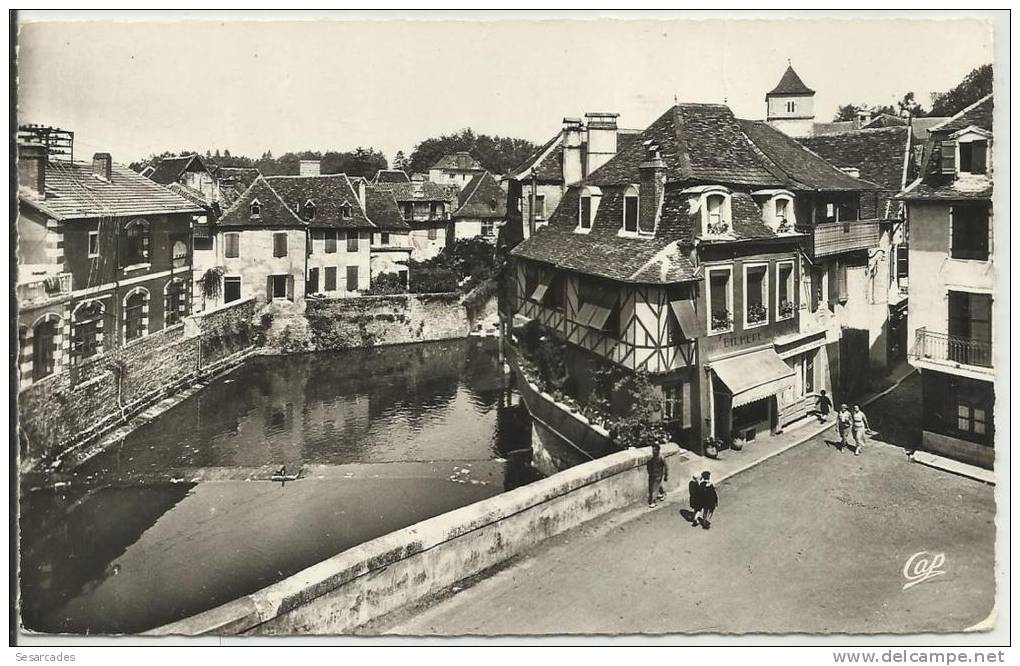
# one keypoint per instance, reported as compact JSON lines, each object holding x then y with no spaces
{"x":690,"y":322}
{"x":753,"y":376}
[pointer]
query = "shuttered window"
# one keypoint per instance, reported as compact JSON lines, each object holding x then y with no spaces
{"x":841,"y":289}
{"x":352,"y":241}
{"x":231,"y":245}
{"x":948,"y":157}
{"x":330,"y":237}
{"x":330,"y":278}
{"x":352,"y":278}
{"x":280,"y":245}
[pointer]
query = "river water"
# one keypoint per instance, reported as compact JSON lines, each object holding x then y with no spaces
{"x":183,"y":515}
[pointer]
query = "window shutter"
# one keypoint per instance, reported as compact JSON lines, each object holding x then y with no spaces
{"x":290,"y":287}
{"x":841,"y":279}
{"x":352,"y":278}
{"x":948,"y":157}
{"x":269,"y":287}
{"x":979,"y":157}
{"x":686,"y":406}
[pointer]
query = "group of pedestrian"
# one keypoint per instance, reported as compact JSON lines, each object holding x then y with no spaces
{"x":851,"y":425}
{"x":703,"y":496}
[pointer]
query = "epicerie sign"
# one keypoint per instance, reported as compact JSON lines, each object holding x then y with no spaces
{"x":43,"y":656}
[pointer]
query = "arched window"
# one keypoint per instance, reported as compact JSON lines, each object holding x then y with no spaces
{"x":136,"y":314}
{"x":174,"y":302}
{"x":87,"y":338}
{"x":630,"y":209}
{"x":136,"y":242}
{"x":255,"y":208}
{"x":345,"y":211}
{"x":586,"y":212}
{"x":45,"y":345}
{"x":716,"y":218}
{"x":308,"y":212}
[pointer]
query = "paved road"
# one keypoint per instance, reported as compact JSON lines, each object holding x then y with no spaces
{"x":813,"y":540}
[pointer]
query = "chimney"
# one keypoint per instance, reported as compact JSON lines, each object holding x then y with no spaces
{"x":102,"y":166}
{"x":601,"y":139}
{"x":573,"y":169}
{"x":359,"y":189}
{"x":32,"y":168}
{"x":653,"y":178}
{"x":309,"y":168}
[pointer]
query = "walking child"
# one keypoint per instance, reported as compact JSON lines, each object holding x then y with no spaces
{"x":658,"y":472}
{"x":824,"y":405}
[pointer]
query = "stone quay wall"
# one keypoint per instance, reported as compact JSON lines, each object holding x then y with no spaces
{"x":348,"y":590}
{"x":78,"y":404}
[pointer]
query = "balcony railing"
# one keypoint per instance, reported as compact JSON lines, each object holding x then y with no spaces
{"x":932,"y":346}
{"x":40,"y":289}
{"x":829,"y":238}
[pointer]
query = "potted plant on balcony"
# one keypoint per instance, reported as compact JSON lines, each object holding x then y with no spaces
{"x":721,"y":320}
{"x":786,"y":309}
{"x":756,"y":313}
{"x":717,"y":228}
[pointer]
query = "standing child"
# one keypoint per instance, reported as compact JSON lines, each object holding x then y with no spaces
{"x":658,"y":472}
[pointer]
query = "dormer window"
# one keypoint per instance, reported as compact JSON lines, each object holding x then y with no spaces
{"x":256,"y":208}
{"x":777,"y":210}
{"x":590,"y":197}
{"x":345,"y":211}
{"x":630,"y":210}
{"x":308,"y":210}
{"x":973,"y":157}
{"x":717,"y":214}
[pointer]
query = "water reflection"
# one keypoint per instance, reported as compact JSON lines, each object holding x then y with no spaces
{"x":179,"y":517}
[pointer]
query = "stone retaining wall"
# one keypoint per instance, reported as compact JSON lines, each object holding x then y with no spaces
{"x":366,"y":582}
{"x":367,"y":321}
{"x":80,"y":403}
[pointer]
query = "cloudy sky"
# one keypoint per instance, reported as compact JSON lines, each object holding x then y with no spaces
{"x":140,"y":87}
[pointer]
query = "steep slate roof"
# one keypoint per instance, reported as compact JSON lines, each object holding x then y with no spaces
{"x":978,"y":114}
{"x":922,"y":126}
{"x":482,"y":197}
{"x":170,"y":169}
{"x":790,"y":84}
{"x":837,"y":127}
{"x":275,"y":213}
{"x":804,"y":169}
{"x":462,"y":161}
{"x":233,"y":181}
{"x":932,"y":185}
{"x":328,"y":193}
{"x":72,"y":192}
{"x":878,"y":153}
{"x":191,"y":195}
{"x":429,"y":191}
{"x":382,"y":209}
{"x":391,"y":176}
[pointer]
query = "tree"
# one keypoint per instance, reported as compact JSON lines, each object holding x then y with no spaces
{"x":495,"y":153}
{"x":977,"y":84}
{"x":844,"y":113}
{"x":399,"y":160}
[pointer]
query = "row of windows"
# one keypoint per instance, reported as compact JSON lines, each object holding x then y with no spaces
{"x":306,"y":211}
{"x":92,"y":323}
{"x":135,"y":245}
{"x":756,"y":296}
{"x":330,"y":238}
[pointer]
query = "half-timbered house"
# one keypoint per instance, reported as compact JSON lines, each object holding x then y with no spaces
{"x":682,"y":256}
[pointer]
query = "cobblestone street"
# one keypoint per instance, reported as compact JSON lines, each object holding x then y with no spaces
{"x":812,"y":540}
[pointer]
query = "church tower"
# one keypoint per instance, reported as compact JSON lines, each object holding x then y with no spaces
{"x":791,"y":105}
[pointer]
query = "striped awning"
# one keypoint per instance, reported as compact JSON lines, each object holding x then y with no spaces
{"x":754,"y":376}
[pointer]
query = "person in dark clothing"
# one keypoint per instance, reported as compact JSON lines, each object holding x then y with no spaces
{"x":709,"y":499}
{"x":694,"y":488}
{"x":824,"y":405}
{"x":658,"y":472}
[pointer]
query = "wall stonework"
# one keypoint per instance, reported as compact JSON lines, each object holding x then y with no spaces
{"x":387,"y":320}
{"x":82,"y":402}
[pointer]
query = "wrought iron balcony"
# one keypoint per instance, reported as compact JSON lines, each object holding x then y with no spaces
{"x":830,"y":238}
{"x":952,"y":349}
